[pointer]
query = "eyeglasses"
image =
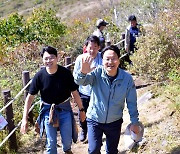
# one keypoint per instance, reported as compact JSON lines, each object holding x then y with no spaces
{"x":51,"y":58}
{"x":111,"y":59}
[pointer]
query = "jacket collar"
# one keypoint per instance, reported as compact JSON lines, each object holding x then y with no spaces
{"x":120,"y":75}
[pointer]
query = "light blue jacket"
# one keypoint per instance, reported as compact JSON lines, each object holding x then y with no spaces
{"x":86,"y":90}
{"x":107,"y":100}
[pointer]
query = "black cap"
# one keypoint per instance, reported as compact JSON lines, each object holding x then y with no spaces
{"x":101,"y":22}
{"x":132,"y":18}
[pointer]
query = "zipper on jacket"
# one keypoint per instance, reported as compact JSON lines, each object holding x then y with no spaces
{"x":113,"y":90}
{"x":108,"y":104}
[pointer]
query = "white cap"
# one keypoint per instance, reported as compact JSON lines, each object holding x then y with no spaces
{"x":101,"y":22}
{"x":130,"y":138}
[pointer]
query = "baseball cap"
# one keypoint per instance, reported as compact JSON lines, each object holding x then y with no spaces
{"x":131,"y":18}
{"x":101,"y":22}
{"x":130,"y":138}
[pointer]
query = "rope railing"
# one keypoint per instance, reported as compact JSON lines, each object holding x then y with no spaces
{"x":70,"y":64}
{"x":18,"y":125}
{"x":119,"y":42}
{"x":10,"y":102}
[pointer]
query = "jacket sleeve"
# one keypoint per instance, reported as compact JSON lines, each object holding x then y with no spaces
{"x":131,"y":101}
{"x":84,"y":79}
{"x":77,"y":65}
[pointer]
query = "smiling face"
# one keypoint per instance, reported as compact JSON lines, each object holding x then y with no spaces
{"x":110,"y":62}
{"x":50,"y":60}
{"x":101,"y":28}
{"x":133,"y":23}
{"x":92,"y":48}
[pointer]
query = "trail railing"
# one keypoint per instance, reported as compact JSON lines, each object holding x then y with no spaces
{"x":9,"y":110}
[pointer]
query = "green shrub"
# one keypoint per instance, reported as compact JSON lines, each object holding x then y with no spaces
{"x":158,"y":51}
{"x":44,"y":26}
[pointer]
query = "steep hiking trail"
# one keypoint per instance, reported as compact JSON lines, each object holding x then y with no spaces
{"x":161,"y":128}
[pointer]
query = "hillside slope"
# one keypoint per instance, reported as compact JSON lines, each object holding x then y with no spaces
{"x":65,"y":9}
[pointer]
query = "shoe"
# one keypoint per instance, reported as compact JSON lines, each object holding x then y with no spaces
{"x":131,"y":63}
{"x":83,"y":135}
{"x":68,"y":152}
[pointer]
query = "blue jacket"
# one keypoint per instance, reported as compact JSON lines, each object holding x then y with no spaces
{"x":107,"y":100}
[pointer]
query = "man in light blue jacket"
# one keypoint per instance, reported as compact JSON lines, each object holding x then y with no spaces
{"x":92,"y":48}
{"x":111,"y":88}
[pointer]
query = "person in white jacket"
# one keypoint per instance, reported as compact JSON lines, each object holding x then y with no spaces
{"x":100,"y":24}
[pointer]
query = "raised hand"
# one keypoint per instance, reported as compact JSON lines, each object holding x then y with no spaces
{"x":86,"y":63}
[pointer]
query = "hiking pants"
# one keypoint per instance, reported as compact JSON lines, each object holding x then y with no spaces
{"x":65,"y":126}
{"x":85,"y":101}
{"x":95,"y":134}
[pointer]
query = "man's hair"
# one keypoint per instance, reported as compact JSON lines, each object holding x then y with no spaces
{"x":48,"y":49}
{"x":132,"y":18}
{"x":93,"y":39}
{"x":111,"y":47}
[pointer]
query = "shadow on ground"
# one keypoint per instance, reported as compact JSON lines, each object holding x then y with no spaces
{"x":176,"y":150}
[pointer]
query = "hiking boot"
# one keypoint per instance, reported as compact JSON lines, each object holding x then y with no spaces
{"x":131,"y":63}
{"x":68,"y":152}
{"x":83,"y":135}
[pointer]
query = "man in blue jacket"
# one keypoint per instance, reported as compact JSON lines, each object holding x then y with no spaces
{"x":111,"y":88}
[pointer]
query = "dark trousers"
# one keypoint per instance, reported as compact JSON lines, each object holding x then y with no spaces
{"x":127,"y":58}
{"x":85,"y":100}
{"x":95,"y":133}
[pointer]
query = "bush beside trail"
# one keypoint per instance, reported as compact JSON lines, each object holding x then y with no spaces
{"x":158,"y":54}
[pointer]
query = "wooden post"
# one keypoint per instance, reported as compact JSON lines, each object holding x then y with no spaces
{"x":108,"y":43}
{"x":67,"y":62}
{"x":108,"y":40}
{"x":123,"y":37}
{"x":26,"y":79}
{"x":9,"y":115}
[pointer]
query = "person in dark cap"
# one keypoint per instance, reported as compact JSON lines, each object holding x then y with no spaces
{"x":100,"y":24}
{"x":132,"y":32}
{"x":112,"y":87}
